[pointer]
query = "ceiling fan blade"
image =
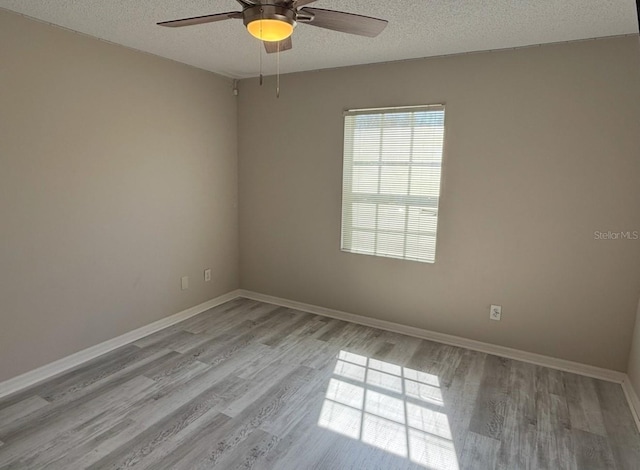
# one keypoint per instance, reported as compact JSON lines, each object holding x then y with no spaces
{"x":201,"y":19}
{"x":272,"y":47}
{"x":301,"y":3}
{"x":344,"y":22}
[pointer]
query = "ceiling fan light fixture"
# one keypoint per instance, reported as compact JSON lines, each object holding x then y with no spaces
{"x":270,"y":30}
{"x":270,"y":23}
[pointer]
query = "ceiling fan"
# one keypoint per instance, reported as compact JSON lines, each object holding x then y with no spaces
{"x":272,"y":21}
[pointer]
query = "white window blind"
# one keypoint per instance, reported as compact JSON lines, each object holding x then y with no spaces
{"x":391,"y":181}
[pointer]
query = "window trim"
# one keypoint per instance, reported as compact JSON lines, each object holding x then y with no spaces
{"x":425,"y":202}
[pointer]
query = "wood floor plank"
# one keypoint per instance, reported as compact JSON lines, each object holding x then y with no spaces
{"x":21,"y":409}
{"x":286,"y":455}
{"x":592,"y":451}
{"x":174,"y":368}
{"x":266,"y":379}
{"x":276,"y":338}
{"x":119,"y":366}
{"x":300,"y":405}
{"x":226,"y":439}
{"x":518,"y":442}
{"x":254,"y":385}
{"x":491,"y":404}
{"x":584,"y":407}
{"x":136,"y":447}
{"x":333,"y":328}
{"x":459,"y":400}
{"x":554,"y":440}
{"x":74,"y":372}
{"x":208,"y":317}
{"x":63,"y":452}
{"x":553,"y":379}
{"x":479,"y":452}
{"x":404,"y":348}
{"x":344,"y":335}
{"x":132,"y":448}
{"x":180,"y":407}
{"x":192,"y":448}
{"x":383,"y":350}
{"x":621,"y":430}
{"x":362,"y":339}
{"x":61,"y":429}
{"x":252,"y":316}
{"x":299,"y":350}
{"x":160,"y":336}
{"x":423,"y":355}
{"x":219,"y":349}
{"x":218,"y":318}
{"x":349,"y":454}
{"x":226,"y":351}
{"x":78,"y":396}
{"x":249,"y":452}
{"x":165,"y":399}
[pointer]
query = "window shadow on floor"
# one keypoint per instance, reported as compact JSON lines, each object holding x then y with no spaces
{"x":393,"y":408}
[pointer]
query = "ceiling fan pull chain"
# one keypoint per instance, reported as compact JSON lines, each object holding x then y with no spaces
{"x":278,"y":73}
{"x":260,"y":52}
{"x":260,"y":45}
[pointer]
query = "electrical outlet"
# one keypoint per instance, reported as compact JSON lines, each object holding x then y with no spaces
{"x":184,"y":282}
{"x":495,"y":312}
{"x":207,"y":275}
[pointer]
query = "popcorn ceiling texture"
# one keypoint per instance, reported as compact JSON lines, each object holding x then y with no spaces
{"x":416,"y":29}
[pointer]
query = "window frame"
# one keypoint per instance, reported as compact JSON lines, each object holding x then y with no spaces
{"x":425,"y":203}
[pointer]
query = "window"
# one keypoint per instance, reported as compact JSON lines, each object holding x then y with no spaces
{"x":391,"y":181}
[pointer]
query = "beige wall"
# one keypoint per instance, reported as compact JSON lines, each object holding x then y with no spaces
{"x":634,"y":357}
{"x":541,"y":151}
{"x":118,"y":175}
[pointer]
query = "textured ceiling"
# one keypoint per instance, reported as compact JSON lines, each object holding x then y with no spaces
{"x":418,"y":28}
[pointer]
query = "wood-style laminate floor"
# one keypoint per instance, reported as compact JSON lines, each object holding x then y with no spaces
{"x":252,"y":385}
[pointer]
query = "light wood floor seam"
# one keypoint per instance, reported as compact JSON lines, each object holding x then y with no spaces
{"x":254,"y":385}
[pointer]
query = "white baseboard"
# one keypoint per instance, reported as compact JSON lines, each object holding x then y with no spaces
{"x":632,"y":398}
{"x":54,"y":368}
{"x":538,"y":359}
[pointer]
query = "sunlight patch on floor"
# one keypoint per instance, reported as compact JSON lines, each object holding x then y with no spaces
{"x":393,"y":408}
